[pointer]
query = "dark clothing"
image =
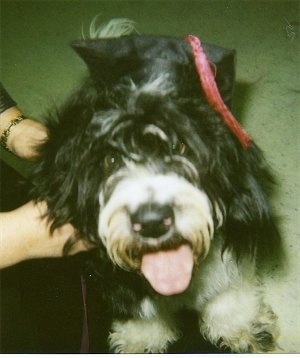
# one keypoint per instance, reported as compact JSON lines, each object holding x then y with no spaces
{"x":5,"y":100}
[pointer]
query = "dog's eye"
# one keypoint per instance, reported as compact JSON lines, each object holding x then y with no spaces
{"x":179,"y":148}
{"x":111,"y":160}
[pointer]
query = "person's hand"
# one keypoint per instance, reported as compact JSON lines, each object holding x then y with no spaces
{"x":25,"y":234}
{"x":23,"y":137}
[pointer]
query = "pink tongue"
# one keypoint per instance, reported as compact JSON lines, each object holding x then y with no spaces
{"x":169,"y":272}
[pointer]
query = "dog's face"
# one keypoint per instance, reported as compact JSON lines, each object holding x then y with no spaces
{"x":154,"y":215}
{"x":140,"y":163}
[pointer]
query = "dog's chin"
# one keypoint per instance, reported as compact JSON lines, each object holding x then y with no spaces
{"x":169,"y":272}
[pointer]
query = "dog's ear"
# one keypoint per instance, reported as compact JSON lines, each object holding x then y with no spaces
{"x":250,"y":225}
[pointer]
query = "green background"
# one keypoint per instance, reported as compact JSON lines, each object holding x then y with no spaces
{"x":39,"y":69}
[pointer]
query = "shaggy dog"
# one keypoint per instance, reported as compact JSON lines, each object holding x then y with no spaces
{"x":148,"y":163}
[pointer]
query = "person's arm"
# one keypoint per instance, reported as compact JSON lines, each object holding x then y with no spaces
{"x":23,"y":137}
{"x":18,"y":134}
{"x":24,"y":235}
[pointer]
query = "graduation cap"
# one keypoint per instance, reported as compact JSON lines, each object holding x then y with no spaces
{"x":138,"y":57}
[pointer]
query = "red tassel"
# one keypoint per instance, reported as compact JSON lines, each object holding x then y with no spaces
{"x":212,"y":93}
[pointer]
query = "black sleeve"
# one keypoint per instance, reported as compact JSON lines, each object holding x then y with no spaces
{"x":5,"y":100}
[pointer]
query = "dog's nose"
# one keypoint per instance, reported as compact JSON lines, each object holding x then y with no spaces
{"x":152,"y":220}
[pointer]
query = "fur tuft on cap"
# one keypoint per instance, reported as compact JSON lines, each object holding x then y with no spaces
{"x":113,"y":28}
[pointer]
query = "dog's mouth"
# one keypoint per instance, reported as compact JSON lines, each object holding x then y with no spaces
{"x":169,"y":272}
{"x":159,"y":240}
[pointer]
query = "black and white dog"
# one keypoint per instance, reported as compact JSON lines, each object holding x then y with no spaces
{"x":148,"y":163}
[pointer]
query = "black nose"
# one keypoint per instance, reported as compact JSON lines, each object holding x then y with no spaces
{"x":152,"y":220}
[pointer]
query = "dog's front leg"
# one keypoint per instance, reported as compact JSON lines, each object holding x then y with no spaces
{"x":239,"y":320}
{"x":139,"y":335}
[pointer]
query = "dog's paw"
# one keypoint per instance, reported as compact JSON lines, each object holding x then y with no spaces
{"x":259,"y":336}
{"x":265,"y":330}
{"x":141,"y":336}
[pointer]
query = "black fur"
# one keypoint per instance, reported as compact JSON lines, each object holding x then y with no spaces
{"x":77,"y":159}
{"x":73,"y":165}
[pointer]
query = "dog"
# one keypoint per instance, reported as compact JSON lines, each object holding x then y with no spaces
{"x":148,"y":163}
